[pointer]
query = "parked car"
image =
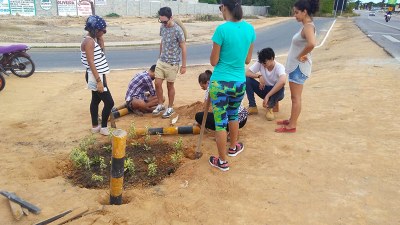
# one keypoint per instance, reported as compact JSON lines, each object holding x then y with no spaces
{"x":372,"y":13}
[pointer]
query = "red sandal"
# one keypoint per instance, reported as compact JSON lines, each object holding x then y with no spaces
{"x":282,"y":122}
{"x":285,"y":130}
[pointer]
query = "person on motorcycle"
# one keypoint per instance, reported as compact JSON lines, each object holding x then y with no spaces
{"x":94,"y":60}
{"x":388,"y":15}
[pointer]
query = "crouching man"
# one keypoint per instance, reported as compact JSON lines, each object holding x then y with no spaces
{"x":270,"y":85}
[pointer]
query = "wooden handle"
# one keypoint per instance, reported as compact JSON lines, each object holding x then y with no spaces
{"x":203,"y":124}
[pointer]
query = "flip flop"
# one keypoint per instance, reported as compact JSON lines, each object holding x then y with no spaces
{"x":282,"y":122}
{"x":285,"y":130}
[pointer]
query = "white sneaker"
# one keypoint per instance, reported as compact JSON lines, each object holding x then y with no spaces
{"x":168,"y":113}
{"x":158,"y":109}
{"x":104,"y":131}
{"x":96,"y":129}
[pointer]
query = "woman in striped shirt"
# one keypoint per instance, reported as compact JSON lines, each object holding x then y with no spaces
{"x":93,"y":58}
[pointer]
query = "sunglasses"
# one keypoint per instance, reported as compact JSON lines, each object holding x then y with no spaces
{"x":104,"y":31}
{"x":220,"y":7}
{"x":163,"y":22}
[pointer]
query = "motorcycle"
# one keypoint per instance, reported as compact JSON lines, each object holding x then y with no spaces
{"x":387,"y":17}
{"x":15,"y":59}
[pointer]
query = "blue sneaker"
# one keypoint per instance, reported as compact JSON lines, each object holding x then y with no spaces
{"x":214,"y":161}
{"x":238,"y":149}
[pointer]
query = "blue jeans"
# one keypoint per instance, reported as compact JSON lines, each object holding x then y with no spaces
{"x":252,"y":86}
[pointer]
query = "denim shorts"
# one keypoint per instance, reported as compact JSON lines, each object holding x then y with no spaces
{"x":297,"y":76}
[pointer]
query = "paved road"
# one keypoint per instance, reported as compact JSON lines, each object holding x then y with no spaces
{"x":385,"y":34}
{"x":277,"y":36}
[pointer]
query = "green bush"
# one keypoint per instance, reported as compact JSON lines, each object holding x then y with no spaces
{"x":113,"y":15}
{"x":208,"y":1}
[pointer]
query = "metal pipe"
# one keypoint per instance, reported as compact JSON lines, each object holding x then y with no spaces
{"x":117,"y":166}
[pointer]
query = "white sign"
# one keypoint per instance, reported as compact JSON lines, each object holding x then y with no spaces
{"x":45,"y":4}
{"x":23,"y":7}
{"x":84,"y":8}
{"x":101,"y":2}
{"x":4,"y":7}
{"x":66,"y":7}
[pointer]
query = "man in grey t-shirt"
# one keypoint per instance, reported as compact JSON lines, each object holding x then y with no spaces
{"x":171,"y":46}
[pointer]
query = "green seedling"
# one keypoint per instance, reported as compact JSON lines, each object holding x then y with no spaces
{"x":147,"y":139}
{"x":110,"y":135}
{"x":129,"y":166}
{"x":146,"y":147}
{"x":176,"y":157}
{"x":107,"y":148}
{"x":178,"y":145}
{"x":99,"y":160}
{"x":97,"y":178}
{"x":159,"y":138}
{"x":80,"y":158}
{"x":132,"y":130}
{"x":87,"y":142}
{"x":152,"y":169}
{"x":135,"y":144}
{"x":150,"y":160}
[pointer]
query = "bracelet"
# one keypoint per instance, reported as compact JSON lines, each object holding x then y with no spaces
{"x":98,"y":79}
{"x":183,"y":66}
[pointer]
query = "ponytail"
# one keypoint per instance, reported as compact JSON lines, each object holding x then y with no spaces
{"x":312,"y":6}
{"x":205,"y":76}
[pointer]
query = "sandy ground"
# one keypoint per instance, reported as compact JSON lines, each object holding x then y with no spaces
{"x":124,"y":29}
{"x":341,"y":167}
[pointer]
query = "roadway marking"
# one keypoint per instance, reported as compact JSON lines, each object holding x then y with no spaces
{"x":327,"y":34}
{"x":392,"y":39}
{"x":393,"y":34}
{"x":384,"y":24}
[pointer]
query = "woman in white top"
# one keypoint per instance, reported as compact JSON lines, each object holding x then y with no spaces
{"x":93,"y":58}
{"x":298,"y":64}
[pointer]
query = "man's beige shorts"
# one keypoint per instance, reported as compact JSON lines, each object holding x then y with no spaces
{"x":166,"y":71}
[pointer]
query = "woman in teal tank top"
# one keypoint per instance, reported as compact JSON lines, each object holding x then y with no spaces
{"x":232,"y":49}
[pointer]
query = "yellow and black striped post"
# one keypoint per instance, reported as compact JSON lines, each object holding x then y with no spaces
{"x":168,"y":130}
{"x":117,"y":166}
{"x":119,"y":113}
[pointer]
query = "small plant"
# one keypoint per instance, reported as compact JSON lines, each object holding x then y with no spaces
{"x":129,"y":166}
{"x":132,"y":130}
{"x":86,"y":142}
{"x":107,"y":148}
{"x":178,"y":144}
{"x":80,"y":158}
{"x":110,"y":135}
{"x":159,"y":139}
{"x":113,"y":15}
{"x":135,"y":143}
{"x":152,"y":169}
{"x":176,"y":157}
{"x":146,"y":147}
{"x":99,"y":160}
{"x":150,"y":160}
{"x":147,"y":138}
{"x":97,"y":178}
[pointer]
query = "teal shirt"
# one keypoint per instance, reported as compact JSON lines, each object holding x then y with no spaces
{"x":235,"y":39}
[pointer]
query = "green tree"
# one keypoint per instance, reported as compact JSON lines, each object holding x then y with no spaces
{"x":326,"y":6}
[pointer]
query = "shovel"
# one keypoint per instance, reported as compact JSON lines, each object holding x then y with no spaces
{"x":198,"y":152}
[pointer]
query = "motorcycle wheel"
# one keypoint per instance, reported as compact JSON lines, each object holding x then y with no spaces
{"x":2,"y":82}
{"x":22,"y":66}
